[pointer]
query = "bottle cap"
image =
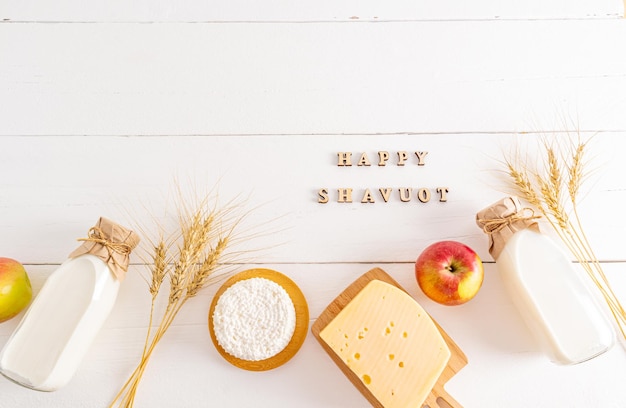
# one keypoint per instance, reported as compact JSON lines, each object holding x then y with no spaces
{"x":504,"y":218}
{"x":110,"y":242}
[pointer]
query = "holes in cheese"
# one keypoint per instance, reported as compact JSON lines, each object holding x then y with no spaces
{"x":402,"y":364}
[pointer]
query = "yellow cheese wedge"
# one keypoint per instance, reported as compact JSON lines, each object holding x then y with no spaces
{"x":390,"y":343}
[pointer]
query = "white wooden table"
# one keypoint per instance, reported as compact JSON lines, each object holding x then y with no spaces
{"x":103,"y":106}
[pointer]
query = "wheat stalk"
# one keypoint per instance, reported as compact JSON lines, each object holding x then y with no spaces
{"x":524,"y":186}
{"x":205,"y":234}
{"x":546,"y":194}
{"x":202,"y":275}
{"x":159,"y":270}
{"x":575,"y":171}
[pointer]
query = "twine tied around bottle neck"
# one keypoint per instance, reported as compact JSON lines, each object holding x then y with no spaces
{"x":96,"y":235}
{"x":110,"y":242}
{"x":494,"y":225}
{"x":503,"y":219}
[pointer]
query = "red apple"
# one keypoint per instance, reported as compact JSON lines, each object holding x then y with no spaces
{"x":15,"y":289}
{"x":449,"y":272}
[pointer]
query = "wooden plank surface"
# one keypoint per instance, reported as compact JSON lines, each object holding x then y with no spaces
{"x":318,"y":78}
{"x":101,"y":112}
{"x":325,"y":10}
{"x":57,"y":187}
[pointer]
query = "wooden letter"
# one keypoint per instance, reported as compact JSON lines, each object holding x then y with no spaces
{"x":382,"y":158}
{"x":402,"y":156}
{"x":344,"y":159}
{"x":345,"y":195}
{"x":385,"y":192}
{"x":423,"y":195}
{"x":364,"y":161}
{"x":443,"y":194}
{"x":420,"y":158}
{"x":368,"y":197}
{"x":405,"y":194}
{"x":323,"y":196}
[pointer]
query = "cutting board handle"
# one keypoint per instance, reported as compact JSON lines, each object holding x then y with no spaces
{"x":441,"y":399}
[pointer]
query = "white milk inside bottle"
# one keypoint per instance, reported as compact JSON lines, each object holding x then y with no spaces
{"x":549,"y":292}
{"x":48,"y":345}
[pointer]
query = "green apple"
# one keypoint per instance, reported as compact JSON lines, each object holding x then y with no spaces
{"x":15,"y":289}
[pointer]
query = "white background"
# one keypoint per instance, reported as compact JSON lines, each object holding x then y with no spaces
{"x":103,"y":106}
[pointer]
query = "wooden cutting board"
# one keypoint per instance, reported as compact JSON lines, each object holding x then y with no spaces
{"x":438,"y":397}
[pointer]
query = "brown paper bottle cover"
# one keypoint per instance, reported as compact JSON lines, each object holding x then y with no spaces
{"x":110,"y":242}
{"x":503,"y":219}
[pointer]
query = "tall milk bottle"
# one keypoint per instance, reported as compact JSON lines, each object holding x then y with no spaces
{"x":48,"y":345}
{"x":553,"y":300}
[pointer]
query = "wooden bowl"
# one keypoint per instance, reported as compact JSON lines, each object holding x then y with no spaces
{"x":299,"y":334}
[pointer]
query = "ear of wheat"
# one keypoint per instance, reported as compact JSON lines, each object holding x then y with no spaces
{"x":191,"y":258}
{"x":553,"y":189}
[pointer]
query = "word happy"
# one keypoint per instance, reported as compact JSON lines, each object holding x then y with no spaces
{"x":384,"y":194}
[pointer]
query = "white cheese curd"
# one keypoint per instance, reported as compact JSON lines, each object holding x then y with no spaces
{"x":254,"y":319}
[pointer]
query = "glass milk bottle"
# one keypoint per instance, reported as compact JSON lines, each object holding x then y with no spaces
{"x":543,"y":284}
{"x":49,"y":343}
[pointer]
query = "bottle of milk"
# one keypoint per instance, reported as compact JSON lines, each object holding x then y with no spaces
{"x":543,"y":284}
{"x":49,"y":343}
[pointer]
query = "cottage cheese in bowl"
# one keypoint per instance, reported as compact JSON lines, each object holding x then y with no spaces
{"x":254,"y":319}
{"x":258,"y":319}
